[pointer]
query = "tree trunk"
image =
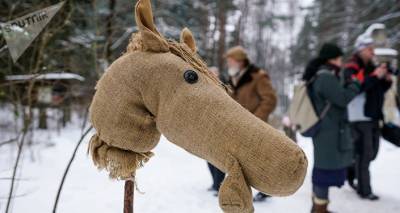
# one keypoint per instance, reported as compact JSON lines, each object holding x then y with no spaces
{"x":110,"y":29}
{"x":66,"y":114}
{"x":222,"y":33}
{"x":42,"y":118}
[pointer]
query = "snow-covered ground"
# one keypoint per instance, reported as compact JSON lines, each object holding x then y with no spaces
{"x":173,"y":181}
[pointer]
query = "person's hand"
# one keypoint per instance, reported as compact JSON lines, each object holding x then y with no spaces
{"x":388,"y":76}
{"x":381,"y":71}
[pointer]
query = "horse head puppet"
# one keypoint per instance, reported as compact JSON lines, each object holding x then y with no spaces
{"x":161,"y":86}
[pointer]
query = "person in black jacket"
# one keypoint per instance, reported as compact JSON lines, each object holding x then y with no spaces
{"x":366,"y":112}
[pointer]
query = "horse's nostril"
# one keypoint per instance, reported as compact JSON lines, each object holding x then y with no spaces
{"x":191,"y":76}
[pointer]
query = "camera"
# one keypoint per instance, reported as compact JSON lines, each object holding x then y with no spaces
{"x":392,"y":69}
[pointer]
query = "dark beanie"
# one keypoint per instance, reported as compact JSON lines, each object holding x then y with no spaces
{"x":330,"y":51}
{"x":327,"y":52}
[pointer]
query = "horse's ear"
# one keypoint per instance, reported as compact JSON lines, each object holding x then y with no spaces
{"x":188,"y":39}
{"x":152,"y":40}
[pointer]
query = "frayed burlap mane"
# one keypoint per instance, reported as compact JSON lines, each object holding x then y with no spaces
{"x":119,"y":163}
{"x":180,"y":50}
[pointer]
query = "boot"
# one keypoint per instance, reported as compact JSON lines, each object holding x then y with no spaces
{"x":371,"y":197}
{"x":260,"y":197}
{"x":320,"y":206}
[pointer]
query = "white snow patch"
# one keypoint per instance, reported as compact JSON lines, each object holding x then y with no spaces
{"x":173,"y":181}
{"x":385,"y":52}
{"x":46,"y":76}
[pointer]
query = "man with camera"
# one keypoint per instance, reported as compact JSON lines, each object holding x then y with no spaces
{"x":365,"y":112}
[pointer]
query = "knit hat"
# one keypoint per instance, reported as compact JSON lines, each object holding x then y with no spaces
{"x":363,"y":41}
{"x":327,"y":52}
{"x":330,"y":51}
{"x":238,"y":53}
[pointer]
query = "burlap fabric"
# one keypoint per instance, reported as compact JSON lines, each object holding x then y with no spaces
{"x":144,"y":93}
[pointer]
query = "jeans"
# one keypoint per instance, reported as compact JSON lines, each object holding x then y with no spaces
{"x":321,"y":192}
{"x":217,"y":176}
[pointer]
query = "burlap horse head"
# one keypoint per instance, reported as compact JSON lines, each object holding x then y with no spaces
{"x":162,"y":86}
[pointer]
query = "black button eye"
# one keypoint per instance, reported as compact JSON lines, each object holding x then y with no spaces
{"x":190,"y":76}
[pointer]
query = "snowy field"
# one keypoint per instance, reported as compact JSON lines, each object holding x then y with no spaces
{"x":173,"y":181}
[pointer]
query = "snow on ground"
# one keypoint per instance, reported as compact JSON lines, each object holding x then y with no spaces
{"x":173,"y":181}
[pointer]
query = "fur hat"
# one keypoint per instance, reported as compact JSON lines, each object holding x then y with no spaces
{"x":238,"y":53}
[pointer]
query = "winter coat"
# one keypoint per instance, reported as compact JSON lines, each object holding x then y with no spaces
{"x":373,"y":87}
{"x":333,"y":148}
{"x":254,"y":92}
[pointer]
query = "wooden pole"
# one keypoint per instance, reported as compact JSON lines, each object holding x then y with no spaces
{"x":128,"y":197}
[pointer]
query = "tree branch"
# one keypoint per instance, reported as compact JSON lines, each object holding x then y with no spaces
{"x":68,"y":167}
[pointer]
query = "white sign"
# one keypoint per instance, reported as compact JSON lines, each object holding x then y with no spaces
{"x":45,"y":95}
{"x":19,"y":33}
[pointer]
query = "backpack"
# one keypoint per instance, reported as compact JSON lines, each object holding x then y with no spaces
{"x":302,"y":112}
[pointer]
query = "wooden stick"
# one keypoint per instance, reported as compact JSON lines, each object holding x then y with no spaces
{"x":128,"y":198}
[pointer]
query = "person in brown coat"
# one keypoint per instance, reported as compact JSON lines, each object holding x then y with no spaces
{"x":251,"y":87}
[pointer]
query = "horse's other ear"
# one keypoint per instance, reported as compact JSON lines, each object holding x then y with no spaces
{"x":188,"y":39}
{"x":152,"y":40}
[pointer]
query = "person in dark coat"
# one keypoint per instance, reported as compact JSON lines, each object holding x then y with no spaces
{"x":252,"y":88}
{"x":333,"y":150}
{"x":365,"y":127}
